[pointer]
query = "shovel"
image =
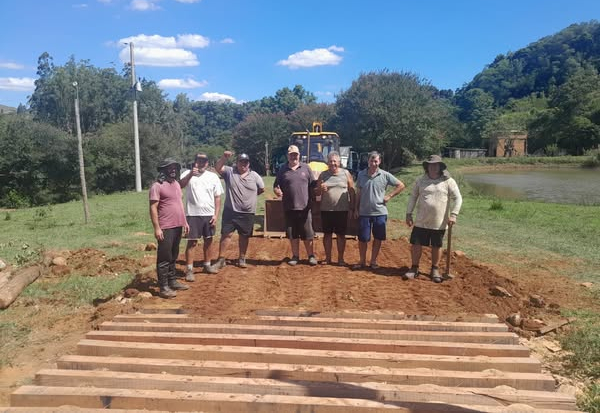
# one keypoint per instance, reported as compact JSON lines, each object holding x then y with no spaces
{"x":447,"y":275}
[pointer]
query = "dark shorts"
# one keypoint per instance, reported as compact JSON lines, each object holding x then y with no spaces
{"x":298,"y":224}
{"x":375,"y":224}
{"x":427,"y":237}
{"x":334,"y":222}
{"x":200,"y":227}
{"x":241,"y":222}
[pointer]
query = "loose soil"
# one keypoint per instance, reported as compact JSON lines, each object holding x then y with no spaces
{"x":269,"y":282}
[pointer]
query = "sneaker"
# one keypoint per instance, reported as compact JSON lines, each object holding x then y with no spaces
{"x":209,"y":269}
{"x":176,"y":285}
{"x":242,"y":263}
{"x":189,"y":276}
{"x":312,"y":260}
{"x":341,"y":263}
{"x":293,"y":261}
{"x":412,"y":273}
{"x":357,"y":267}
{"x":219,"y":264}
{"x":435,"y":275}
{"x":374,"y":266}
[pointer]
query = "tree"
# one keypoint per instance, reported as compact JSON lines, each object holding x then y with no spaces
{"x":395,"y":113}
{"x":258,"y":129}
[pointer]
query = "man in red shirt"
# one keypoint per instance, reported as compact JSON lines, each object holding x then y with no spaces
{"x":168,"y":220}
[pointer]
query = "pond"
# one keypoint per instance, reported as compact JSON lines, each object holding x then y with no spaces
{"x":564,"y":185}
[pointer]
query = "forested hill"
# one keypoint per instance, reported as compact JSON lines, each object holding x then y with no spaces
{"x":542,"y":65}
{"x":549,"y":89}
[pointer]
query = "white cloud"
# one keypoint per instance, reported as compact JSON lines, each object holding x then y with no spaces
{"x":19,"y":84}
{"x":181,"y":83}
{"x":192,"y":41}
{"x":217,"y":97}
{"x":80,"y":6}
{"x":227,"y":40}
{"x":162,"y":57}
{"x":315,"y":57}
{"x":143,"y":5}
{"x":188,"y":1}
{"x":326,"y":94}
{"x":105,"y":1}
{"x":10,"y":65}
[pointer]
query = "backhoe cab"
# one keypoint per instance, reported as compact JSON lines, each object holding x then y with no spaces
{"x":315,"y":146}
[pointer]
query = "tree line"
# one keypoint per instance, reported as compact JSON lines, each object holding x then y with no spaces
{"x":550,"y":89}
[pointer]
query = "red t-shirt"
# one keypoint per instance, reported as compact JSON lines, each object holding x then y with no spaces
{"x":170,"y":206}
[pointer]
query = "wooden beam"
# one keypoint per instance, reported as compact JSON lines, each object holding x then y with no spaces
{"x":318,"y":343}
{"x":366,"y":390}
{"x":379,"y":315}
{"x":217,"y":402}
{"x":447,"y":336}
{"x":487,"y":378}
{"x":409,"y":325}
{"x":295,"y":356}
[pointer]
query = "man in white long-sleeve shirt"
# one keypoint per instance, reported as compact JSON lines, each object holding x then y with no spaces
{"x":432,"y":194}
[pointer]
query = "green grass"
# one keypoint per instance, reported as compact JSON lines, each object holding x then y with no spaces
{"x":589,"y":401}
{"x":12,"y":336}
{"x":79,"y":289}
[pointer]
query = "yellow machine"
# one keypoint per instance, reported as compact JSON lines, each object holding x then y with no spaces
{"x":314,"y":147}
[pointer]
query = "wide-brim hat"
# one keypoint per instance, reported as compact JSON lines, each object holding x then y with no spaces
{"x":435,"y":159}
{"x":166,"y":163}
{"x":293,"y":149}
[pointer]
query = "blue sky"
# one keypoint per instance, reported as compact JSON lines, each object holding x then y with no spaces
{"x":243,"y":50}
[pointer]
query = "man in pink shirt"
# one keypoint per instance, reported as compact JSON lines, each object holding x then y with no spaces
{"x":168,"y":220}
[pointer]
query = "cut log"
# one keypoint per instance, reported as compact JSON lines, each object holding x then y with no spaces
{"x":17,"y":283}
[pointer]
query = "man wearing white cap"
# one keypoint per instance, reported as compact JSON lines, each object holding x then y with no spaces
{"x":243,"y":186}
{"x":294,"y":183}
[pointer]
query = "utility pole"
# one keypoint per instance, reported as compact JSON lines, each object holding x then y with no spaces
{"x":136,"y":135}
{"x":267,"y":157}
{"x":86,"y":211}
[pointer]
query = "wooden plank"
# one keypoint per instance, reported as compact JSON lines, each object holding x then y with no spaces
{"x":365,"y":390}
{"x":376,"y":314}
{"x":409,"y":325}
{"x":321,"y":357}
{"x":163,"y":309}
{"x":447,"y":336}
{"x":62,"y":409}
{"x":318,"y":343}
{"x":487,"y":378}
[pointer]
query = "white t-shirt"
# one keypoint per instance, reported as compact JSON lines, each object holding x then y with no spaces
{"x":200,"y":193}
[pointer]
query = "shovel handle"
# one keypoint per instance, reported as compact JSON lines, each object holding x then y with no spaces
{"x":449,"y":249}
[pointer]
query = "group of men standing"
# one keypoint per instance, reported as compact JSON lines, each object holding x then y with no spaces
{"x":341,"y":199}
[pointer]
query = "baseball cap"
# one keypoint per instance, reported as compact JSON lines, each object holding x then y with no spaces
{"x":243,"y":157}
{"x":293,"y":149}
{"x":202,"y":156}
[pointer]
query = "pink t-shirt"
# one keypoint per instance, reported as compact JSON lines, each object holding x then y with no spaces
{"x":170,"y":206}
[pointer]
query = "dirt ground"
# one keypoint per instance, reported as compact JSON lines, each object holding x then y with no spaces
{"x":268,"y":283}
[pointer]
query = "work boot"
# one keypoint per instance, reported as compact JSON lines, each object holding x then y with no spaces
{"x":412,"y":273}
{"x":219,"y":264}
{"x":242,"y":262}
{"x":173,"y":283}
{"x":165,"y":291}
{"x":435,"y":275}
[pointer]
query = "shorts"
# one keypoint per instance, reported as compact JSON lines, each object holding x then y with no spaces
{"x":368,"y":224}
{"x":200,"y":227}
{"x":298,"y":224}
{"x":240,"y":221}
{"x":427,"y":237}
{"x":334,"y":222}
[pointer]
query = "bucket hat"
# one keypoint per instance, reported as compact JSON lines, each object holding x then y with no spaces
{"x":434,"y":159}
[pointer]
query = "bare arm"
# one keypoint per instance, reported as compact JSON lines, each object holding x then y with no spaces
{"x":398,"y":188}
{"x":213,"y":220}
{"x":158,"y":234}
{"x":351,"y":191}
{"x":221,"y":162}
{"x":186,"y":179}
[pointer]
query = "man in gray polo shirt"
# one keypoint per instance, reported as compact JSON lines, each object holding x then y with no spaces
{"x":370,"y":207}
{"x":243,"y":187}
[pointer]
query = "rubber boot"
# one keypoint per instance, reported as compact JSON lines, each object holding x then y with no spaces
{"x":162,"y":273}
{"x":173,"y":283}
